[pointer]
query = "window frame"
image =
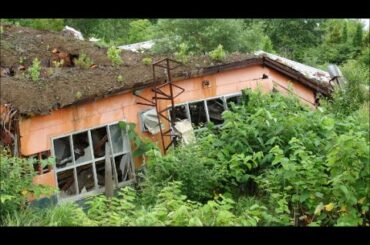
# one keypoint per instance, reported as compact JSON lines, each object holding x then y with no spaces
{"x":222,"y":97}
{"x":96,"y":189}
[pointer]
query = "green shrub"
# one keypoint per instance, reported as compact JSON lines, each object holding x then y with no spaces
{"x":16,"y":175}
{"x":182,"y":54}
{"x":147,"y":61}
{"x":35,"y":70}
{"x":114,"y":54}
{"x":83,"y":61}
{"x":218,"y":54}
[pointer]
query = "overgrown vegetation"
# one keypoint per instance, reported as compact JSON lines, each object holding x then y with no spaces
{"x":273,"y":162}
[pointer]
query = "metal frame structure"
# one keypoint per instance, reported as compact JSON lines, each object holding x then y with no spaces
{"x":159,"y":94}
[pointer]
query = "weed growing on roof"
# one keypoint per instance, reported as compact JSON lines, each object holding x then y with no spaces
{"x":147,"y":61}
{"x":84,"y":61}
{"x":34,"y":70}
{"x":58,"y":64}
{"x":119,"y":78}
{"x":78,"y":95}
{"x":218,"y":54}
{"x":114,"y":54}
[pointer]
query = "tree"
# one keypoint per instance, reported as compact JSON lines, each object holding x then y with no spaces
{"x":291,"y":37}
{"x":357,"y":39}
{"x":204,"y":35}
{"x":345,"y":33}
{"x":140,"y":30}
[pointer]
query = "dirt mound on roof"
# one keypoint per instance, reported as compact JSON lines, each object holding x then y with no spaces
{"x":58,"y":87}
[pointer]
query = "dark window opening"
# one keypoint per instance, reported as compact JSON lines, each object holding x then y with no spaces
{"x":66,"y":183}
{"x":180,"y":113}
{"x":215,"y":109}
{"x":123,"y":167}
{"x":81,"y":147}
{"x":85,"y":178}
{"x":63,"y":156}
{"x":100,"y":172}
{"x":236,"y":100}
{"x":198,"y":114}
{"x":99,"y":138}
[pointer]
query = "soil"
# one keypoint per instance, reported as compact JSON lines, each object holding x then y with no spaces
{"x":62,"y":86}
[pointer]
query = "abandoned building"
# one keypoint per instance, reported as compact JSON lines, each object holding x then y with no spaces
{"x":71,"y":112}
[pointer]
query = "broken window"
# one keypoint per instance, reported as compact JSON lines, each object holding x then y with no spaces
{"x":85,"y":178}
{"x":116,"y":136}
{"x":81,"y":148}
{"x":83,"y":170}
{"x":198,"y":114}
{"x":62,"y":151}
{"x":215,"y":109}
{"x":67,"y":183}
{"x":99,"y":137}
{"x":180,"y":113}
{"x":235,"y":99}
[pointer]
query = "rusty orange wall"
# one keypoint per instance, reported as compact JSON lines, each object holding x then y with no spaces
{"x":36,"y":132}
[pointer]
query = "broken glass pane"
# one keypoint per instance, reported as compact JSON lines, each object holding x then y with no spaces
{"x":100,"y":172}
{"x":66,"y":183}
{"x":198,"y":114}
{"x":116,"y":138}
{"x":62,"y":149}
{"x":180,"y":113}
{"x":123,"y":166}
{"x":99,"y":137}
{"x":215,"y":109}
{"x":81,"y":148}
{"x":85,"y":178}
{"x":236,"y":99}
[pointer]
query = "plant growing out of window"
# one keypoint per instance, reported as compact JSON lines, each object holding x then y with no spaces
{"x":114,"y":54}
{"x":84,"y":61}
{"x":218,"y":54}
{"x":34,"y":70}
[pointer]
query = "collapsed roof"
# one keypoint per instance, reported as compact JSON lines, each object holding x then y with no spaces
{"x":59,"y":87}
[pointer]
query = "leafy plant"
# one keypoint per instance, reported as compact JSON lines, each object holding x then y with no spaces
{"x":16,"y":186}
{"x":84,"y":61}
{"x":114,"y":54}
{"x":147,"y":61}
{"x":218,"y":54}
{"x":35,"y":70}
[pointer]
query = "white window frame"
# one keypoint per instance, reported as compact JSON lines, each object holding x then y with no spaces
{"x":96,"y":190}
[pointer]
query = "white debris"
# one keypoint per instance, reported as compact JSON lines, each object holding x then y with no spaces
{"x":138,"y":47}
{"x":93,"y":39}
{"x":74,"y":32}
